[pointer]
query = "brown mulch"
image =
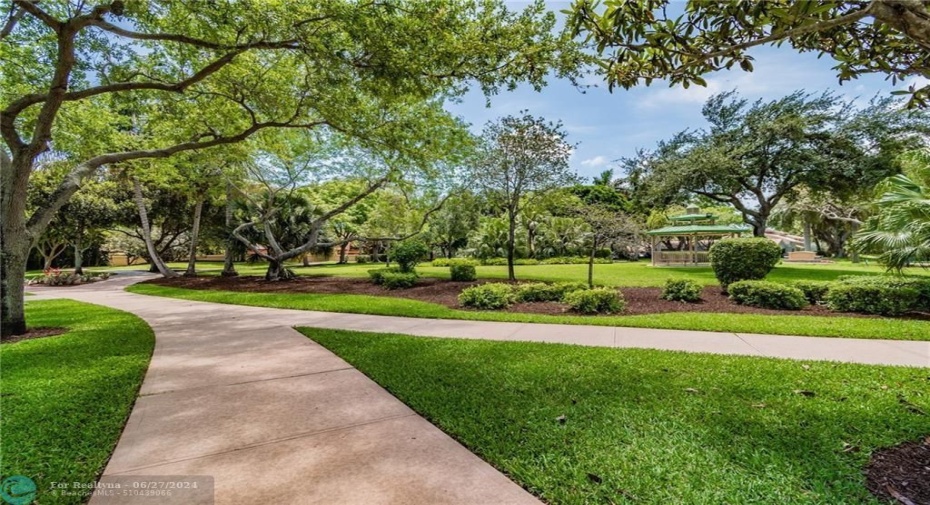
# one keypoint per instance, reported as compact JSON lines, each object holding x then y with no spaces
{"x":901,"y":474}
{"x":32,"y":333}
{"x":443,"y":292}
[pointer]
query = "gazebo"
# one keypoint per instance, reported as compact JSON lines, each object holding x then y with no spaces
{"x":687,"y":240}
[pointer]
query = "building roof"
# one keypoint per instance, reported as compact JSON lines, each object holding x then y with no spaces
{"x":701,"y":229}
{"x":692,"y":217}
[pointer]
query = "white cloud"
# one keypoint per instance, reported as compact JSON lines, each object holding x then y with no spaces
{"x":597,"y":161}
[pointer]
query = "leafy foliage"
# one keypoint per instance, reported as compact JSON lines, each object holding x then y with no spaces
{"x":682,"y":290}
{"x":491,"y":296}
{"x":883,"y":295}
{"x":646,"y":40}
{"x":767,"y":295}
{"x":547,"y":292}
{"x":459,"y":272}
{"x":398,"y":280}
{"x":408,"y":253}
{"x":900,"y":230}
{"x":595,"y":301}
{"x":739,"y":259}
{"x":814,"y":291}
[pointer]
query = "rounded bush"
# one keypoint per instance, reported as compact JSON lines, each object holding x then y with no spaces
{"x":488,"y":296}
{"x":398,"y":280}
{"x":494,"y":261}
{"x":767,"y":295}
{"x":741,"y":259}
{"x":814,"y":291}
{"x":361,"y":258}
{"x":408,"y":253}
{"x":882,"y":295}
{"x":462,"y":272}
{"x":595,"y":301}
{"x":682,"y":290}
{"x":377,"y":274}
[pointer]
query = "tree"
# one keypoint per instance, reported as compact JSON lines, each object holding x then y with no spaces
{"x":450,"y":226}
{"x":606,"y":225}
{"x":521,"y":157}
{"x":197,"y":75}
{"x":651,"y":39}
{"x":754,"y":155}
{"x":900,"y":229}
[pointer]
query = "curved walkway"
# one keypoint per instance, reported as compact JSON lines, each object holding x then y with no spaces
{"x":234,"y":392}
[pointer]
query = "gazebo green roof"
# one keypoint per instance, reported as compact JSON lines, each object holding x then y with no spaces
{"x":692,"y":217}
{"x":701,"y":229}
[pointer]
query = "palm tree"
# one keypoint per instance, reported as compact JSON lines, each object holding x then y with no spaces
{"x":900,"y":230}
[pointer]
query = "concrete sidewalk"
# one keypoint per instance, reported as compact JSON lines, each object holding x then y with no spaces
{"x":235,"y":393}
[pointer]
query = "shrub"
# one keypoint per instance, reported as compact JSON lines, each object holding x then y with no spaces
{"x":884,"y":295}
{"x":377,"y":274}
{"x":814,"y":291}
{"x":408,"y":253}
{"x":595,"y":301}
{"x":681,"y":290}
{"x":526,"y":261}
{"x":488,"y":296}
{"x":459,"y":272}
{"x":603,"y":253}
{"x":362,"y":258}
{"x":574,"y":260}
{"x":494,"y":261}
{"x":767,"y":295}
{"x":398,"y":280}
{"x":741,"y":259}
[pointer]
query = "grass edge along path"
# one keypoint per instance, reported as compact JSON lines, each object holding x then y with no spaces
{"x":577,"y":424}
{"x":66,"y":398}
{"x":814,"y":326}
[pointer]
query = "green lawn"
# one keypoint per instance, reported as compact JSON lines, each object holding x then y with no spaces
{"x":848,"y":327}
{"x":67,"y":397}
{"x":650,"y":427}
{"x":638,"y":274}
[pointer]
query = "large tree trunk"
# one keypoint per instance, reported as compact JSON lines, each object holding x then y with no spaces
{"x":147,"y":232}
{"x":13,"y":255}
{"x":511,"y":244}
{"x":343,"y":253}
{"x":195,"y":234}
{"x":278,"y":272}
{"x":15,"y":244}
{"x":229,"y":265}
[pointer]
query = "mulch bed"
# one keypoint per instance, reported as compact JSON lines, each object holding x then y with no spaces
{"x":31,"y":333}
{"x":639,"y":300}
{"x":901,"y":473}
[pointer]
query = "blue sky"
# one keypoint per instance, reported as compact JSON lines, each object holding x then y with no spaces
{"x":609,"y":126}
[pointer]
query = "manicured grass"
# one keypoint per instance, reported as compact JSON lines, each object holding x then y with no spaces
{"x":638,"y":274}
{"x":817,"y":326}
{"x":67,"y":397}
{"x":650,"y":427}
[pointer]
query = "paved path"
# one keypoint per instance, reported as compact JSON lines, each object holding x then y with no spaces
{"x":236,"y":393}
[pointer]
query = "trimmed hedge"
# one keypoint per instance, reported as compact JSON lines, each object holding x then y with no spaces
{"x":448,"y":262}
{"x":682,"y":290}
{"x":546,"y":292}
{"x":377,"y":274}
{"x":814,"y":291}
{"x":883,"y":295}
{"x":398,"y":280}
{"x":741,"y":259}
{"x":767,"y":295}
{"x":459,"y":272}
{"x":488,"y":296}
{"x":595,"y":301}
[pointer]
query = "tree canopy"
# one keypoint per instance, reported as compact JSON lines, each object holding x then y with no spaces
{"x":646,"y":40}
